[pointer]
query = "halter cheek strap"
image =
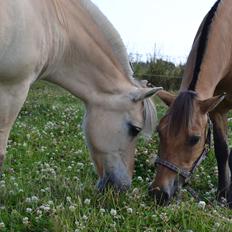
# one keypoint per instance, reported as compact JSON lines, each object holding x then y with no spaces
{"x":183,"y":172}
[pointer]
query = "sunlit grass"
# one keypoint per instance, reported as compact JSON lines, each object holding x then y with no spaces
{"x":48,"y":181}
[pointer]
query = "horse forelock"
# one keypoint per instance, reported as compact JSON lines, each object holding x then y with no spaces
{"x":181,"y":111}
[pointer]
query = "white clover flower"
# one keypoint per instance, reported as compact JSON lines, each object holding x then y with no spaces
{"x":201,"y":204}
{"x":28,"y":210}
{"x":2,"y":184}
{"x":39,"y":212}
{"x":113,"y":212}
{"x":47,"y":165}
{"x":140,"y":178}
{"x":72,"y":208}
{"x":85,"y":217}
{"x":46,"y":208}
{"x":102,"y":210}
{"x":47,"y":189}
{"x":113,"y":225}
{"x":154,"y":216}
{"x":28,"y":200}
{"x":68,"y":199}
{"x":34,"y":199}
{"x":79,"y":164}
{"x":87,"y":201}
{"x":135,"y":191}
{"x":50,"y":202}
{"x":77,"y":223}
{"x":2,"y":225}
{"x":129,"y":210}
{"x":16,"y":184}
{"x":25,"y":220}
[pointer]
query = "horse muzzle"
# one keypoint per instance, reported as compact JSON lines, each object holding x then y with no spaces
{"x":117,"y":183}
{"x":163,"y":195}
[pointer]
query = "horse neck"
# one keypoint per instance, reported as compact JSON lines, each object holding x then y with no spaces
{"x":217,"y":57}
{"x":90,"y":66}
{"x":90,"y":80}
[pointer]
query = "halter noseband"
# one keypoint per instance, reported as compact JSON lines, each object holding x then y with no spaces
{"x":183,"y":172}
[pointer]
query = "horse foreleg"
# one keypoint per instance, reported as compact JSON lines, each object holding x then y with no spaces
{"x":229,"y":195}
{"x":12,"y":98}
{"x":222,"y":152}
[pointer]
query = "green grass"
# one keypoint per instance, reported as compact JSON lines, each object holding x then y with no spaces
{"x":48,"y":181}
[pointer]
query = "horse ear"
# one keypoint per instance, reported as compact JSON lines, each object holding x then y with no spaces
{"x":144,"y":93}
{"x":210,"y":103}
{"x":166,"y":97}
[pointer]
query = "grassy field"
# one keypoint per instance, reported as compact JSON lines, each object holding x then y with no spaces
{"x":48,"y":181}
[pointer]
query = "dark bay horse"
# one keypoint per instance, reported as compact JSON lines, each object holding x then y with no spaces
{"x":183,"y":131}
{"x":72,"y":44}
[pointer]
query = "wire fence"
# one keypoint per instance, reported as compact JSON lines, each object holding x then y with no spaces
{"x":167,"y":82}
{"x":157,"y":76}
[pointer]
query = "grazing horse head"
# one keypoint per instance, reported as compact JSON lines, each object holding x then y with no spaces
{"x":72,"y":44}
{"x":183,"y":135}
{"x":111,"y":128}
{"x":183,"y":131}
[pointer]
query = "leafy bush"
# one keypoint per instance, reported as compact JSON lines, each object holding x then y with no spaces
{"x":158,"y":71}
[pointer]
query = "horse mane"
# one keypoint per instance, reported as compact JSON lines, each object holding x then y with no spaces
{"x":203,"y":34}
{"x":111,"y":35}
{"x":180,"y":114}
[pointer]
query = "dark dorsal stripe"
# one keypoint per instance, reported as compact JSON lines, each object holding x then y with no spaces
{"x":202,"y":44}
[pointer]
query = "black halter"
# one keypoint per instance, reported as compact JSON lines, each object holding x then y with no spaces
{"x":183,"y":172}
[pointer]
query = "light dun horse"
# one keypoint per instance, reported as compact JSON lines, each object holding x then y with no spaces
{"x":72,"y":44}
{"x":183,"y":130}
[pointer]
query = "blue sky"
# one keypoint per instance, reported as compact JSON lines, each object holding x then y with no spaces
{"x":169,"y":26}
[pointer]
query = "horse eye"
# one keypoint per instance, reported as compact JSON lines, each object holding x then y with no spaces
{"x":193,"y":140}
{"x":134,"y":130}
